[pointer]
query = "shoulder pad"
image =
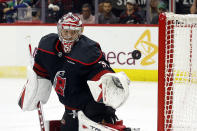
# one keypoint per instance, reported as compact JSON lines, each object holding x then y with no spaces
{"x":48,"y":42}
{"x":86,"y":51}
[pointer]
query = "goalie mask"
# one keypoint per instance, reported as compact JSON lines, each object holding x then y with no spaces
{"x":69,"y":30}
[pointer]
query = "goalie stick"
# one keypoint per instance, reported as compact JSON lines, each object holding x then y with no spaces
{"x":41,"y":117}
{"x":39,"y":105}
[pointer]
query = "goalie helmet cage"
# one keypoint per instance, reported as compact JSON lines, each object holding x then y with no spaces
{"x":177,"y":72}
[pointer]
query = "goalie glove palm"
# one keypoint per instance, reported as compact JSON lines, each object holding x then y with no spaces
{"x":112,"y":89}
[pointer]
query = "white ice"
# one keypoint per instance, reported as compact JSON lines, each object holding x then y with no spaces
{"x":139,"y":111}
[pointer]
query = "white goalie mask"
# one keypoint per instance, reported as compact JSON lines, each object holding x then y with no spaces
{"x":69,"y":30}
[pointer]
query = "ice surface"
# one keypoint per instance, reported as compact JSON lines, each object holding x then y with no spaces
{"x":139,"y":111}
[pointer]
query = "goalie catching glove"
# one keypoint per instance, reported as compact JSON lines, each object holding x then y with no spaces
{"x":112,"y":89}
{"x":109,"y":93}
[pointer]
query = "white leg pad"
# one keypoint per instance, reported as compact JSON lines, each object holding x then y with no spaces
{"x":85,"y":124}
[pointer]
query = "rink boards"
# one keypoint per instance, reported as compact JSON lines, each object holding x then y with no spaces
{"x":117,"y":43}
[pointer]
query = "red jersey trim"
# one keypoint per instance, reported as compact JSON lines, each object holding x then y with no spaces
{"x":57,"y":45}
{"x":49,"y":52}
{"x":98,"y":75}
{"x":84,"y":62}
{"x":70,"y":108}
{"x":52,"y":53}
{"x":41,"y":73}
{"x":40,"y":68}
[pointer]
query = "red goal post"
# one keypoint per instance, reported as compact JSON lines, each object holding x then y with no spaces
{"x":177,"y":73}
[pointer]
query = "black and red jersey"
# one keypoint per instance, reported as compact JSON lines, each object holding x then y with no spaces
{"x":69,"y":72}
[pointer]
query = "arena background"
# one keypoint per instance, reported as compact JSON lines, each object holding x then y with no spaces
{"x":117,"y":42}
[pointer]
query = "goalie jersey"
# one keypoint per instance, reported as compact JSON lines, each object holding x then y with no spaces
{"x":69,"y":72}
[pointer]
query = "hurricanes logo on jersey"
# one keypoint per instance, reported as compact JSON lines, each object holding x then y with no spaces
{"x":60,"y":82}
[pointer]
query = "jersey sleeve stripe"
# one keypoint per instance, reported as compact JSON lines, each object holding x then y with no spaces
{"x":49,"y":52}
{"x":98,"y":75}
{"x":84,"y":62}
{"x":40,"y":68}
{"x":41,"y":73}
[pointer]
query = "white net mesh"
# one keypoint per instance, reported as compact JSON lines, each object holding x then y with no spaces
{"x":181,"y":73}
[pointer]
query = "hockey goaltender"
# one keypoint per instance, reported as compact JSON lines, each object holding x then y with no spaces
{"x":85,"y":83}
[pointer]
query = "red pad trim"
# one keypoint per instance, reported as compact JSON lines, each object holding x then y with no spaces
{"x":101,"y":94}
{"x":30,"y":50}
{"x":84,"y":126}
{"x":98,"y":75}
{"x":118,"y":125}
{"x":22,"y":98}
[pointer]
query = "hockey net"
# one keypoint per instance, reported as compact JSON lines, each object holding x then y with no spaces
{"x":177,"y":85}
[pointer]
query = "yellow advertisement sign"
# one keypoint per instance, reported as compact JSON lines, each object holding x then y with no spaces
{"x":147,"y":48}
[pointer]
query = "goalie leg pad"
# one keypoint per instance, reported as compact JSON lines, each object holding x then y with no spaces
{"x":34,"y":90}
{"x":85,"y":124}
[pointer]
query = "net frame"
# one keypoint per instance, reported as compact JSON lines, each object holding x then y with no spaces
{"x":166,"y":73}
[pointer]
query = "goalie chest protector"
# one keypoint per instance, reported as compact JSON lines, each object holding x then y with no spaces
{"x":68,"y":72}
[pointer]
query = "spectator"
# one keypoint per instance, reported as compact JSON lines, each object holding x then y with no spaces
{"x":9,"y":13}
{"x":100,"y":8}
{"x":141,"y":10}
{"x":182,"y":6}
{"x":86,"y":16}
{"x":151,"y":10}
{"x":13,"y":6}
{"x":161,"y":8}
{"x":130,"y":15}
{"x":107,"y":17}
{"x":193,"y":7}
{"x":53,"y":13}
{"x":68,"y":6}
{"x":3,"y":5}
{"x":57,"y":8}
{"x":36,"y":11}
{"x":36,"y":15}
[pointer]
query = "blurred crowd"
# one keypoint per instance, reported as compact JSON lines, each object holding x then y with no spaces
{"x":91,"y":11}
